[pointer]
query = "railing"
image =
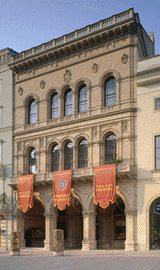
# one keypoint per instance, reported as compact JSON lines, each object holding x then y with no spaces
{"x":76,"y":34}
{"x":122,"y":168}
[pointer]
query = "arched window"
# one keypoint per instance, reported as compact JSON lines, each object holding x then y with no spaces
{"x":82,"y":99}
{"x":82,"y":154}
{"x":32,"y":161}
{"x":110,"y":92}
{"x":32,"y":112}
{"x":68,"y":156}
{"x":110,"y":148}
{"x":54,"y":106}
{"x":68,"y":102}
{"x":55,"y":158}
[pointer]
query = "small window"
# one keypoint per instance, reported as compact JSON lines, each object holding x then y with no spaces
{"x":32,"y":161}
{"x":157,"y":152}
{"x":82,"y":99}
{"x":54,"y":106}
{"x":157,"y":104}
{"x":110,"y":148}
{"x":68,"y":103}
{"x":55,"y":158}
{"x":68,"y":156}
{"x":82,"y":154}
{"x":110,"y":92}
{"x":32,"y":112}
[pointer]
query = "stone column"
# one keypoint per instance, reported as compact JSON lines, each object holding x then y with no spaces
{"x":131,"y":229}
{"x":89,"y":230}
{"x":50,"y":226}
{"x":18,"y":226}
{"x":106,"y":231}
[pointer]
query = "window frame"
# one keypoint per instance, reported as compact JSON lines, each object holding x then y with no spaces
{"x":70,"y":105}
{"x":83,"y":102}
{"x":114,"y":154}
{"x":52,"y":158}
{"x":157,"y":136}
{"x":66,"y":160}
{"x":85,"y":155}
{"x":56,"y":109}
{"x":34,"y":114}
{"x":29,"y":161}
{"x":112,"y":95}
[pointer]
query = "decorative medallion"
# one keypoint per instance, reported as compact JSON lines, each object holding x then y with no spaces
{"x":124,"y":58}
{"x":67,"y":76}
{"x":42,"y":84}
{"x":20,"y":91}
{"x":95,"y":68}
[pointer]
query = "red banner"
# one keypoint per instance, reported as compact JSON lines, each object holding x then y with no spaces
{"x":62,"y":189}
{"x":104,"y":184}
{"x":25,"y":191}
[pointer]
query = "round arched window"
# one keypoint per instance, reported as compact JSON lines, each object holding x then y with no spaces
{"x":32,"y":112}
{"x":82,"y":154}
{"x":68,"y":156}
{"x":55,"y":158}
{"x":68,"y":102}
{"x":110,"y":148}
{"x":82,"y":99}
{"x":54,"y":106}
{"x":32,"y":161}
{"x":110,"y":92}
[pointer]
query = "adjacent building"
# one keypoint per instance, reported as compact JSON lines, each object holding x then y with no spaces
{"x":6,"y":127}
{"x":148,"y":153}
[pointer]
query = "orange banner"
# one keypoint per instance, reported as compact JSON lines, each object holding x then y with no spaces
{"x":62,"y":189}
{"x":25,"y":191}
{"x":104,"y":185}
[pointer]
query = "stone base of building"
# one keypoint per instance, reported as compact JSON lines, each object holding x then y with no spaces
{"x":15,"y":253}
{"x":58,"y":253}
{"x":48,"y":245}
{"x":89,"y":245}
{"x":130,"y":246}
{"x":143,"y":247}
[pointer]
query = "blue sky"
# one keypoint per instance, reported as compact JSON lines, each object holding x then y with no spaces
{"x":26,"y":24}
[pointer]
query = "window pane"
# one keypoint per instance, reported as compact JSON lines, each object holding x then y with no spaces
{"x":68,"y":156}
{"x":55,"y":158}
{"x":32,"y":112}
{"x":54,"y":106}
{"x":157,"y":164}
{"x":82,"y":99}
{"x":110,"y":92}
{"x":68,"y":103}
{"x":32,"y":161}
{"x":157,"y":141}
{"x":82,"y":154}
{"x":110,"y":148}
{"x":157,"y":104}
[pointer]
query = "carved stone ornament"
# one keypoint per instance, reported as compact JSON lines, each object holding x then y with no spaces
{"x":20,"y":91}
{"x":42,"y":84}
{"x":67,"y":76}
{"x":95,"y":68}
{"x":124,"y":59}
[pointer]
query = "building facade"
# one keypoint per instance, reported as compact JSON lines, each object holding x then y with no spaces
{"x":6,"y":127}
{"x":75,"y":107}
{"x":148,"y":142}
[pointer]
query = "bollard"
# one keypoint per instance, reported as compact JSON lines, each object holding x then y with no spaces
{"x":58,"y":242}
{"x":15,"y":244}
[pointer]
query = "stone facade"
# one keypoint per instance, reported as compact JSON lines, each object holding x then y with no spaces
{"x":90,"y":56}
{"x":148,"y":173}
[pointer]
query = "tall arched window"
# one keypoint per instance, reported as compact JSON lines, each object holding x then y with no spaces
{"x":32,"y":112}
{"x":68,"y":102}
{"x":32,"y":161}
{"x":82,"y":98}
{"x":82,"y":154}
{"x":55,"y":158}
{"x":54,"y":106}
{"x":68,"y":156}
{"x":110,"y":92}
{"x":110,"y":148}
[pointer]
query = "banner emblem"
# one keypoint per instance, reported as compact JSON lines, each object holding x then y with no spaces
{"x":61,"y":184}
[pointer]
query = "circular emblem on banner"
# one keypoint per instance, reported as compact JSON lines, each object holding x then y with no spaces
{"x":61,"y":184}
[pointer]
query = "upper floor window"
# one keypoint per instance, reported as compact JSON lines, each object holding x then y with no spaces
{"x":82,"y":154}
{"x":55,"y":158}
{"x":32,"y":112}
{"x":68,"y":156}
{"x":68,"y":102}
{"x":157,"y":152}
{"x":82,"y":99}
{"x":54,"y":106}
{"x":32,"y":161}
{"x":110,"y":148}
{"x":157,"y":104}
{"x":110,"y":92}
